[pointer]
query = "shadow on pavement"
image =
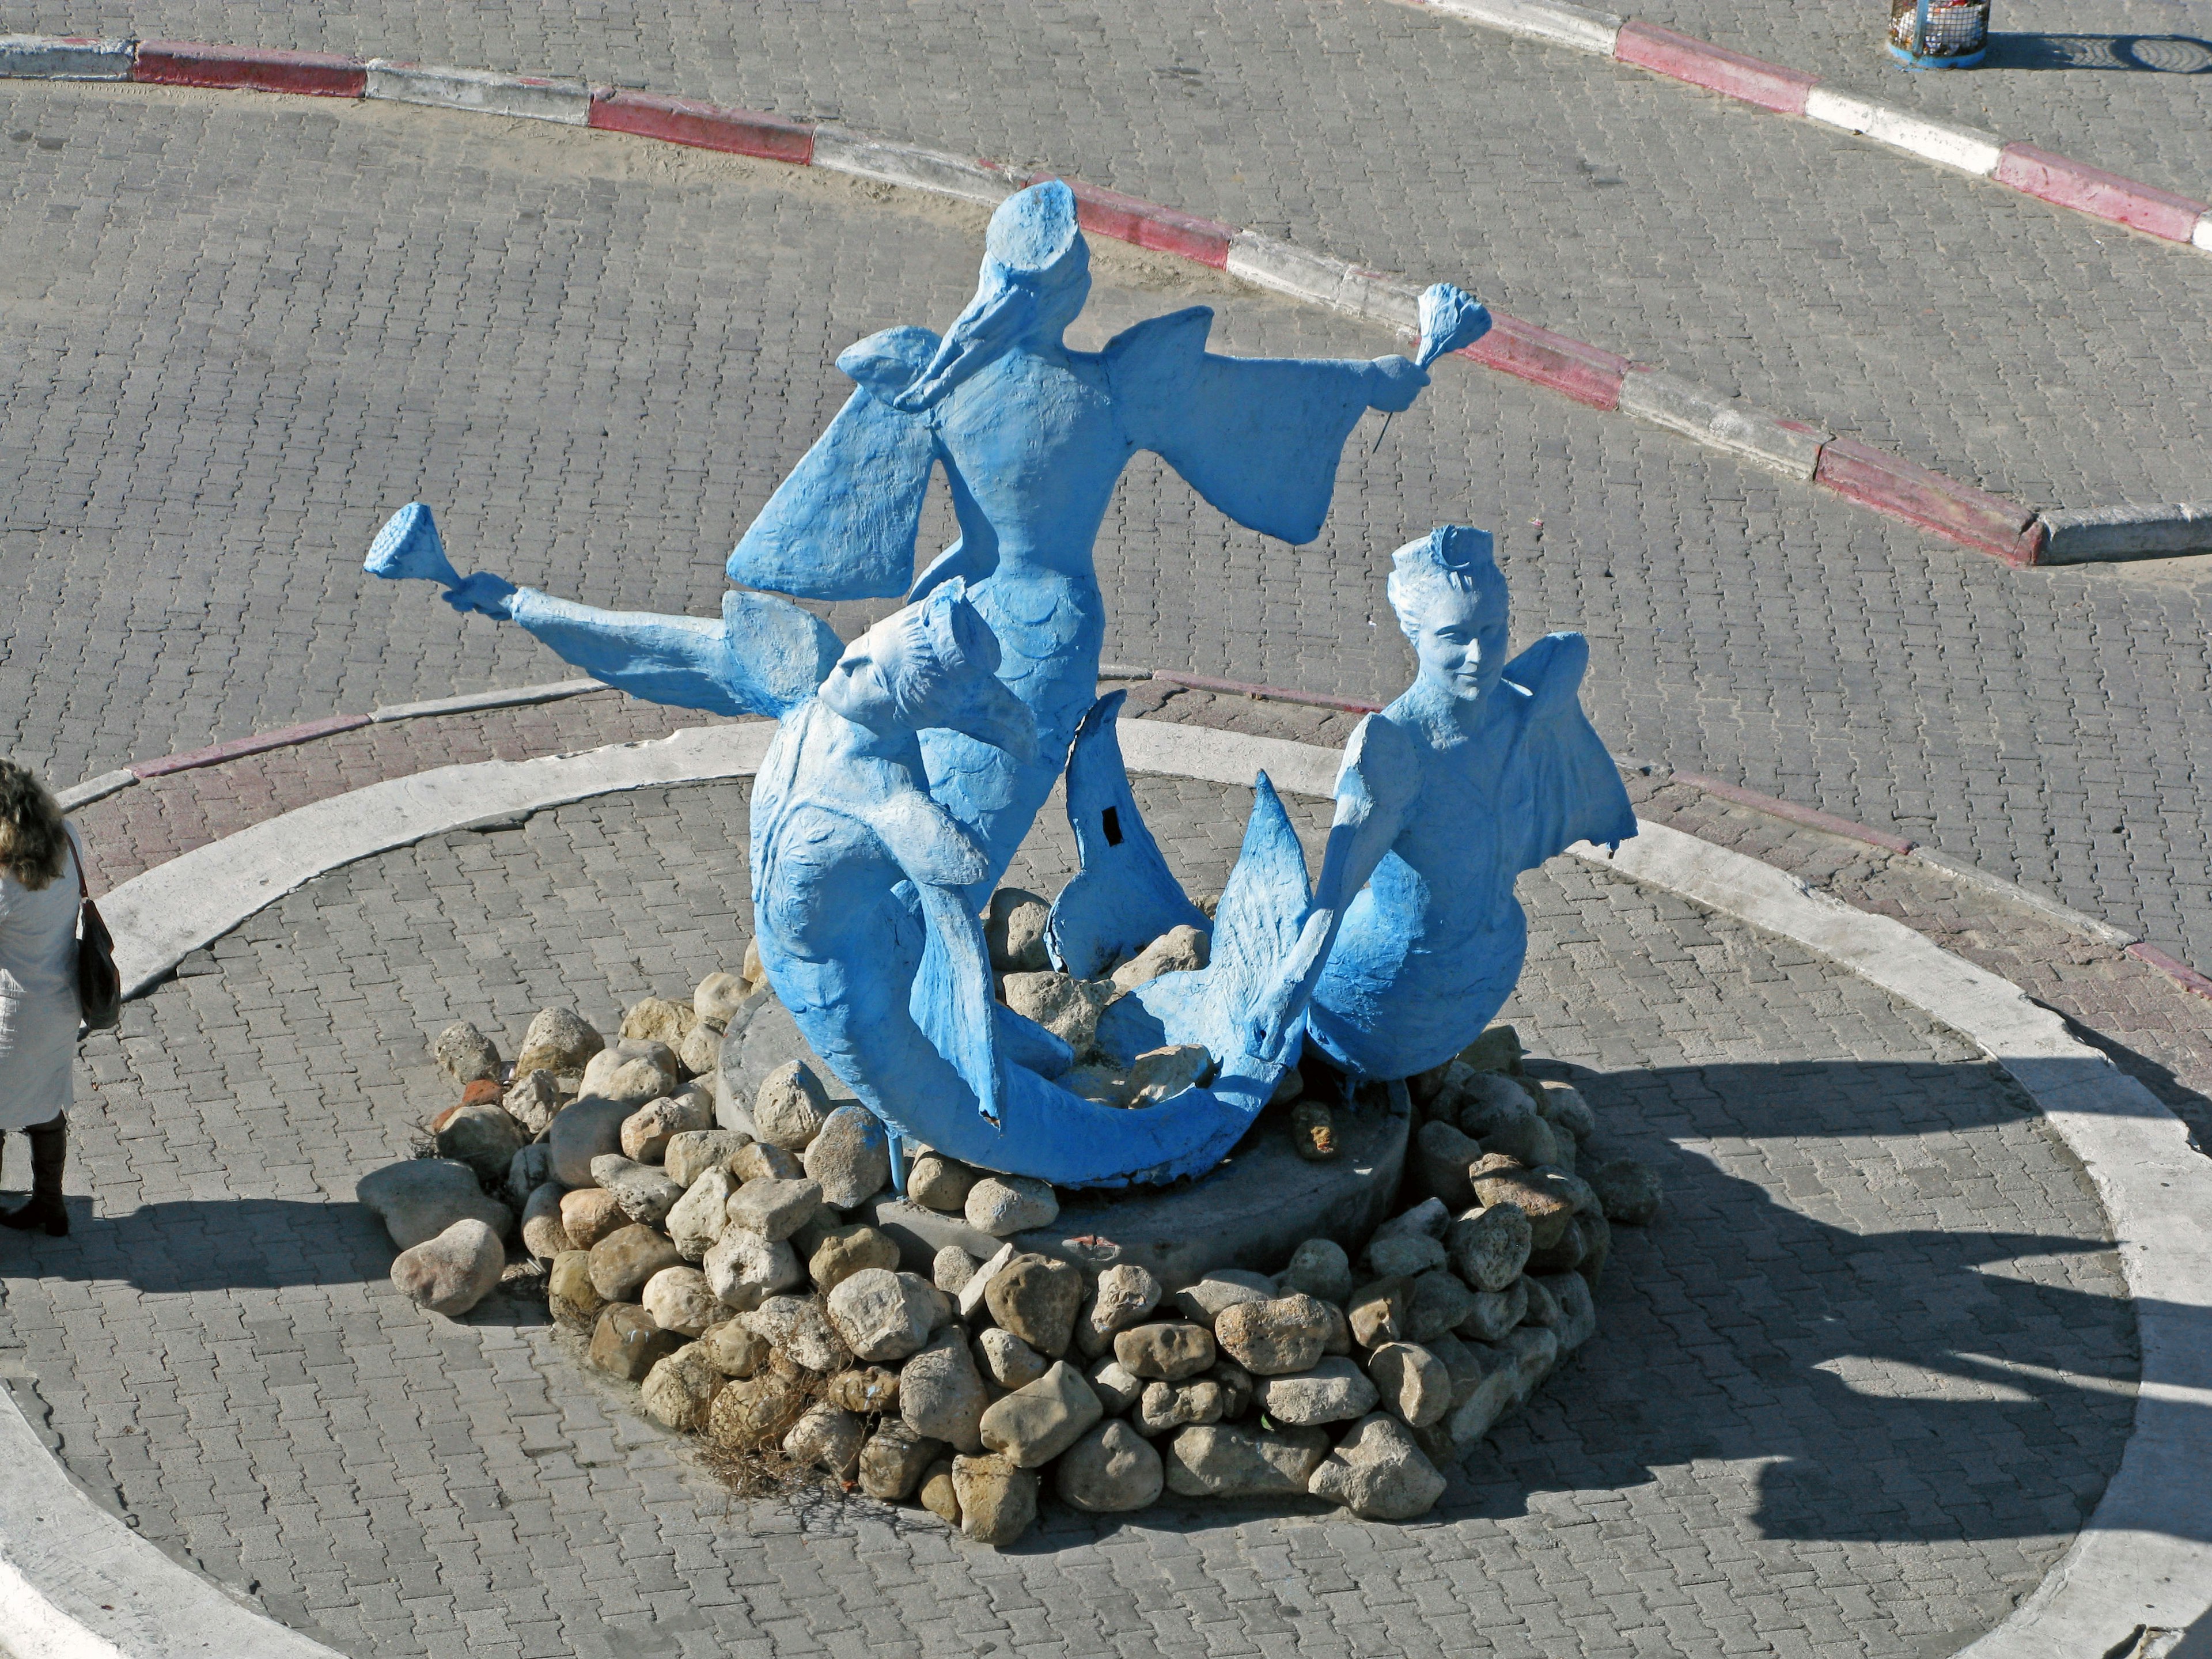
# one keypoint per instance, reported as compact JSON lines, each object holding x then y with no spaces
{"x":1836,"y":1330}
{"x":1860,"y":1379}
{"x":2156,"y":54}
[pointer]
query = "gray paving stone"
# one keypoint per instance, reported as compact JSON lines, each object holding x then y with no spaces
{"x":598,"y":359}
{"x":1825,"y":1405}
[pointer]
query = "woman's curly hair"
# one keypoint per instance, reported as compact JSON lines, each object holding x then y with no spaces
{"x":31,"y":838}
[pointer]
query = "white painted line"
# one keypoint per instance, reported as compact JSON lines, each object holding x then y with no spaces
{"x":2142,"y":1559}
{"x":1729,"y":424}
{"x":1200,"y":751}
{"x":176,"y":908}
{"x":468,"y":701}
{"x":537,"y":98}
{"x":910,"y":165}
{"x":2128,"y":532}
{"x":98,"y":788}
{"x":1948,"y":143}
{"x":65,"y":58}
{"x":77,"y":1583}
{"x":1548,"y":20}
{"x":1286,"y":268}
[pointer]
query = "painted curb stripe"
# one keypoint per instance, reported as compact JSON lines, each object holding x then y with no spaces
{"x":1239,"y":687}
{"x":1789,"y":447}
{"x":2100,"y":194}
{"x":1146,"y":224}
{"x":2179,"y":972}
{"x":1585,"y":373}
{"x":215,"y":754}
{"x":1588,"y":374}
{"x":1684,"y":57}
{"x":1955,"y":511}
{"x":254,"y":68}
{"x":65,"y":58}
{"x":485,"y":92}
{"x":1947,"y":143}
{"x":2141,"y":1561}
{"x":2128,"y":532}
{"x":702,"y":126}
{"x":1786,"y":91}
{"x":471,"y":702}
{"x":1811,"y":818}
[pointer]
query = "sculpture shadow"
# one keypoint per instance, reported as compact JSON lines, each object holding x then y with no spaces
{"x":189,"y":1245}
{"x":2152,"y":54}
{"x":1874,"y":1381}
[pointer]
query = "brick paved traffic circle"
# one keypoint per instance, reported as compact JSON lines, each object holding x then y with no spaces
{"x":1853,"y":1396}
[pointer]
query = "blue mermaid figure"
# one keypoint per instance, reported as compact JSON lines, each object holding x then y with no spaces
{"x":862,"y":880}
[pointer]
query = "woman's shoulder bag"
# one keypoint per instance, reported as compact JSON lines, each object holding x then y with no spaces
{"x":99,"y":985}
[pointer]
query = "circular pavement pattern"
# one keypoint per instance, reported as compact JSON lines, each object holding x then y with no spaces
{"x":1853,"y":1394}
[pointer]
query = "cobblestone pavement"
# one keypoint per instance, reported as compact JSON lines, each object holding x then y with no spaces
{"x":151,"y":823}
{"x":2122,"y":86}
{"x":1851,"y":1396}
{"x":597,"y":357}
{"x":1999,"y":340}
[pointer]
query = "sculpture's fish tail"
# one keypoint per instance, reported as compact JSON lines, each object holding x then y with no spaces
{"x":1262,"y":908}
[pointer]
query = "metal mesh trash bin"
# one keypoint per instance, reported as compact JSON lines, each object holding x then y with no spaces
{"x":1939,"y":33}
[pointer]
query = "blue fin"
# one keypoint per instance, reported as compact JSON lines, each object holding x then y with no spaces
{"x":1125,"y":897}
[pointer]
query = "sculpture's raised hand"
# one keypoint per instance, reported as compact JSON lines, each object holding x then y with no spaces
{"x":1393,"y":383}
{"x":483,"y":592}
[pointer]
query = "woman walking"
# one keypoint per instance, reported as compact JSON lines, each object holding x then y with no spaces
{"x":39,"y":887}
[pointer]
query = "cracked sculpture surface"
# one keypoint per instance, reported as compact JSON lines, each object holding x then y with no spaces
{"x":908,"y":767}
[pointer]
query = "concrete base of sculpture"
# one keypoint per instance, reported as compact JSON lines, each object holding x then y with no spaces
{"x":1251,"y":1212}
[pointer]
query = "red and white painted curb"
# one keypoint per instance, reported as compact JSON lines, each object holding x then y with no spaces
{"x":1785,"y":91}
{"x":1589,"y":374}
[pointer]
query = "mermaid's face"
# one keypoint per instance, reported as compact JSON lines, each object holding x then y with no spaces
{"x":860,"y":686}
{"x":1459,"y":636}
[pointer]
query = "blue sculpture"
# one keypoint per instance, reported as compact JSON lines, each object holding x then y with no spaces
{"x":1481,"y":769}
{"x":1032,"y":438}
{"x":862,"y":879}
{"x":907,"y":768}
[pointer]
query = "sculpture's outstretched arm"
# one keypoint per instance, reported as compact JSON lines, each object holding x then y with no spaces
{"x":763,"y":657}
{"x":1259,"y":437}
{"x":1376,"y":787}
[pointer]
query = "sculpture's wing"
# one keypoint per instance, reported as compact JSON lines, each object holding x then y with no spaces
{"x":842,"y":525}
{"x":1259,"y":437}
{"x":776,"y":654}
{"x":1563,"y":785}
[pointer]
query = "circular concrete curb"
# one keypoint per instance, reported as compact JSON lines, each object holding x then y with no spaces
{"x":76,"y":1584}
